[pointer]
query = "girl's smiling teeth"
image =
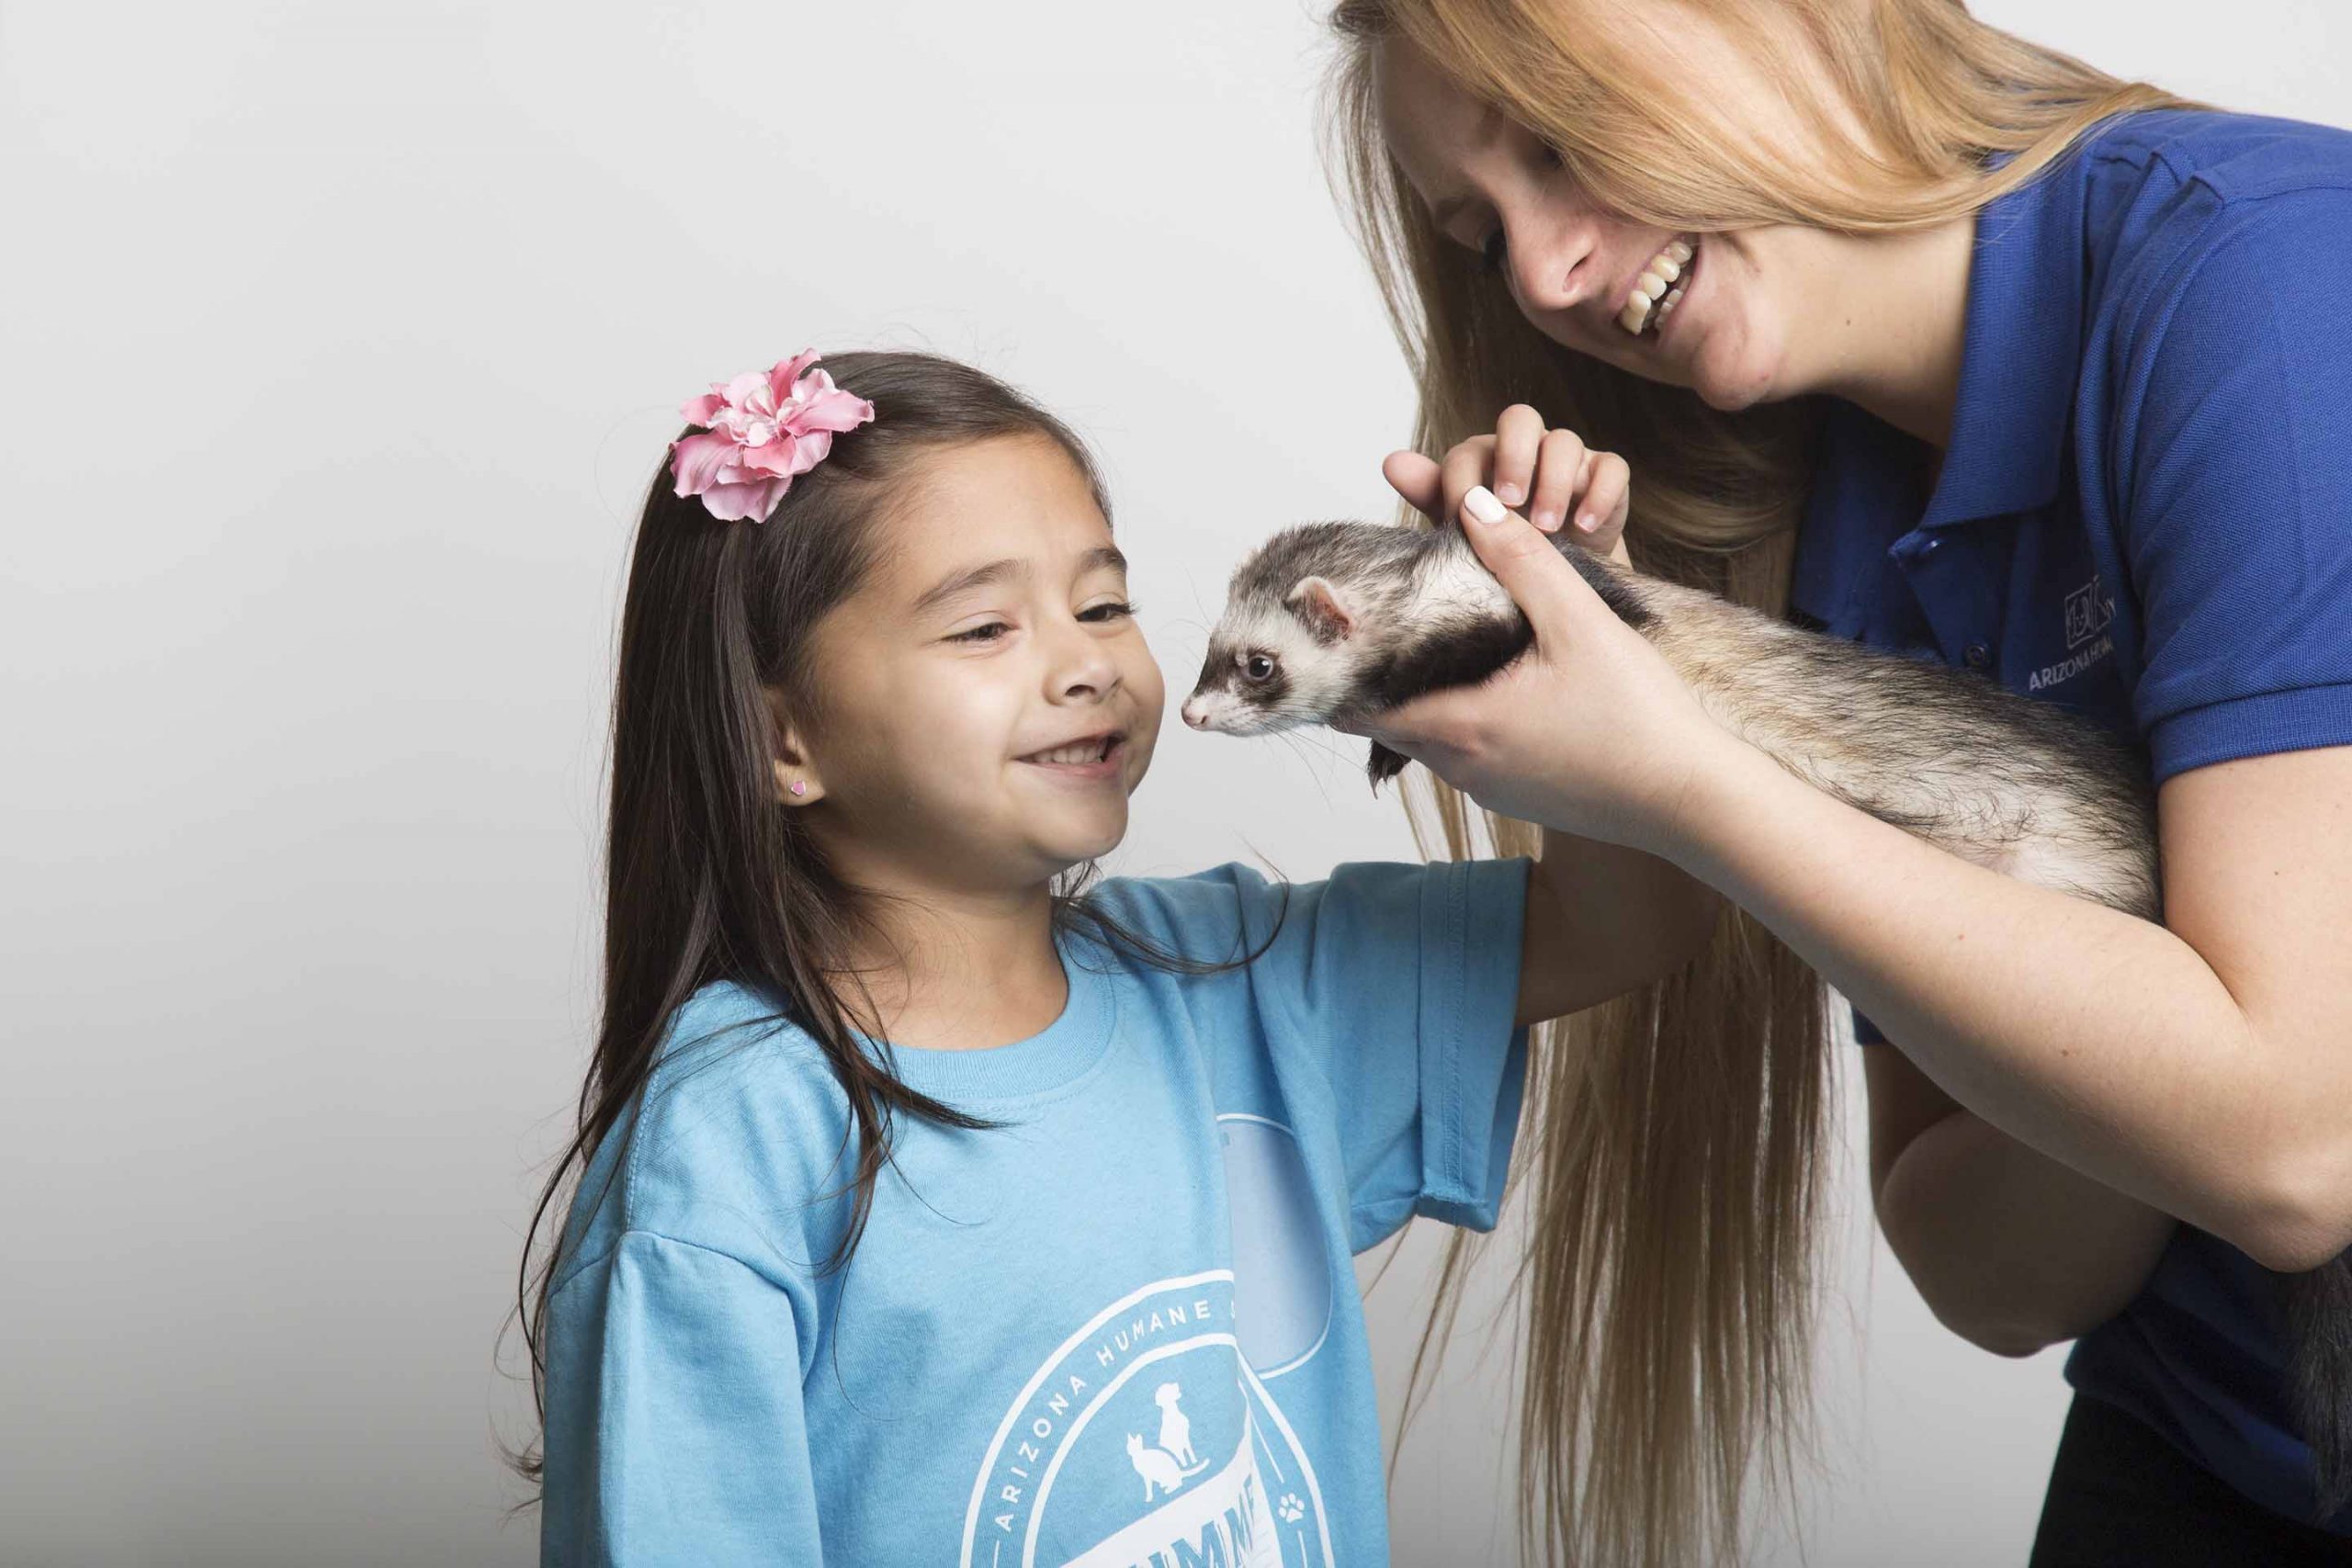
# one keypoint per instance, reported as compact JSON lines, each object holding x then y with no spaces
{"x":1660,"y":286}
{"x":1089,"y":756}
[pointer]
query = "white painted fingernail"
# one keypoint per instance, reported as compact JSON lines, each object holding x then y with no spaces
{"x":1482,"y":504}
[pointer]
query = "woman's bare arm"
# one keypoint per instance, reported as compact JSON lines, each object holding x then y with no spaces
{"x":2011,"y":1251}
{"x":2203,"y":1067}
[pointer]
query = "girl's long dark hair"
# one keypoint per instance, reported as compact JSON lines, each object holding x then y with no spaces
{"x":707,"y":877}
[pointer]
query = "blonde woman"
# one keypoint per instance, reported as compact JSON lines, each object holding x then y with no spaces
{"x":1894,"y":323}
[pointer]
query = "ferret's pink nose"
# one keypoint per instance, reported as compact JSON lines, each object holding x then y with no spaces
{"x":1193,"y":716}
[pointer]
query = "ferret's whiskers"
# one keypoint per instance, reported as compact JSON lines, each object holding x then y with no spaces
{"x":1297,"y":741}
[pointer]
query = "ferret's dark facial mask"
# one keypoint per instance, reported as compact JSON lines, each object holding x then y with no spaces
{"x":1277,"y":663}
{"x":1328,"y":621}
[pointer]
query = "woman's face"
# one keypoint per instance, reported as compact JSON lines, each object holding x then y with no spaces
{"x":1715,"y":312}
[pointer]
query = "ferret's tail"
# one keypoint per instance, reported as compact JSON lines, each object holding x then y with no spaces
{"x":2319,"y":1374}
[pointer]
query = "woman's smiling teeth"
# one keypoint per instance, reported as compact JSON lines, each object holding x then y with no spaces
{"x":1659,"y":288}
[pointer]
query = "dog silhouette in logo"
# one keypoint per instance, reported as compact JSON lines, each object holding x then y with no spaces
{"x":1165,"y":1468}
{"x":1175,"y":1432}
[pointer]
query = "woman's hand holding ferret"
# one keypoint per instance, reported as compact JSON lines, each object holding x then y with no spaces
{"x":1548,"y":471}
{"x":1588,"y":732}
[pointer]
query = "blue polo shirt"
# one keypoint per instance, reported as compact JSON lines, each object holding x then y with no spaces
{"x":2145,"y":516}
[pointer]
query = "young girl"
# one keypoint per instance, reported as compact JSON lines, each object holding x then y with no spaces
{"x":932,"y":1210}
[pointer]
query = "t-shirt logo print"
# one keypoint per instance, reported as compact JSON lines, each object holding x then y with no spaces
{"x":1167,"y":1464}
{"x":1152,"y":1391}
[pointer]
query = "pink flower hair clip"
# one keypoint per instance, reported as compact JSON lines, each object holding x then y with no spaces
{"x":760,"y":430}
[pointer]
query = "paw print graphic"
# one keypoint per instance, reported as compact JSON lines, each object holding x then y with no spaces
{"x":1291,"y":1509}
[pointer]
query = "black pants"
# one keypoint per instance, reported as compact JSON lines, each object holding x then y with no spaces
{"x":2123,"y":1496}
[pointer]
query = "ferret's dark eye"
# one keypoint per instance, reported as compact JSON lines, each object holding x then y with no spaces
{"x":1257,"y":667}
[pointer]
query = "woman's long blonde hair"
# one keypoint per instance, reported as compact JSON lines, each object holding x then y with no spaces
{"x":1678,"y":1136}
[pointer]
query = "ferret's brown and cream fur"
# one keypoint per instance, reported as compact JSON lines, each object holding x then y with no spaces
{"x":1332,"y":620}
{"x":1338,"y":620}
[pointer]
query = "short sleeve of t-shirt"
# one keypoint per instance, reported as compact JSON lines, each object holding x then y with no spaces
{"x":2234,"y":482}
{"x":1399,"y":985}
{"x":675,"y":1429}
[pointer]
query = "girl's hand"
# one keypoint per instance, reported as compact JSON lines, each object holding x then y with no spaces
{"x":1588,"y":732}
{"x":1552,"y":474}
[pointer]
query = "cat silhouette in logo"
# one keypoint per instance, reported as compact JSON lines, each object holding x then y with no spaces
{"x":1175,"y":1431}
{"x":1159,"y":1468}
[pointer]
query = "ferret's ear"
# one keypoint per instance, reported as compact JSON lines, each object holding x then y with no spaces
{"x":1327,"y":616}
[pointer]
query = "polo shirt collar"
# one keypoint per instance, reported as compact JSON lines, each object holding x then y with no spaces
{"x":2023,"y":348}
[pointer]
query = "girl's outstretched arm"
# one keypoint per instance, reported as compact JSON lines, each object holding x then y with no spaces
{"x":1603,"y":919}
{"x":2200,"y":1066}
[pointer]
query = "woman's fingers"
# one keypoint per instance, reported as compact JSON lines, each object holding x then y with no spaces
{"x":1560,"y":476}
{"x":1404,"y":728}
{"x":1465,"y":468}
{"x":1546,"y":589}
{"x":1551,"y":475}
{"x":1416,"y":479}
{"x":1607,"y":498}
{"x":1602,"y":515}
{"x":1519,"y":440}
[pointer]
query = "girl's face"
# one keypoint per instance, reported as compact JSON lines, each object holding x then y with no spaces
{"x":1722,"y":324}
{"x":985,"y":700}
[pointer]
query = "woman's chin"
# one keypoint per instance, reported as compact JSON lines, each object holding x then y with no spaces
{"x":1731,"y":382}
{"x":1743,"y":362}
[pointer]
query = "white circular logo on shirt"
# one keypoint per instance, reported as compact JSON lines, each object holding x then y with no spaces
{"x":1147,"y":1437}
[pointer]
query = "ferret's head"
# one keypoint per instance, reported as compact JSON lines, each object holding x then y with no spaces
{"x":1278,"y":659}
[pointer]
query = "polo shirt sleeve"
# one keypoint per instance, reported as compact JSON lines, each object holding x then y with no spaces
{"x":2233,"y":472}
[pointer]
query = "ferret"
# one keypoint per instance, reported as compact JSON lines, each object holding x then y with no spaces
{"x":1344,"y":619}
{"x":1340,"y":620}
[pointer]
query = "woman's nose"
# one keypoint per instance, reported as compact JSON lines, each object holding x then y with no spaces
{"x":1549,"y":261}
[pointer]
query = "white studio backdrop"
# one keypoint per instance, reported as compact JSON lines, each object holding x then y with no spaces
{"x":340,"y":340}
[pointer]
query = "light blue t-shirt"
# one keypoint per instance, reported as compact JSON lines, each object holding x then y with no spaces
{"x":1119,"y":1328}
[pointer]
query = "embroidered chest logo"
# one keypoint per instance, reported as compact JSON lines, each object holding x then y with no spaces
{"x":2089,"y":611}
